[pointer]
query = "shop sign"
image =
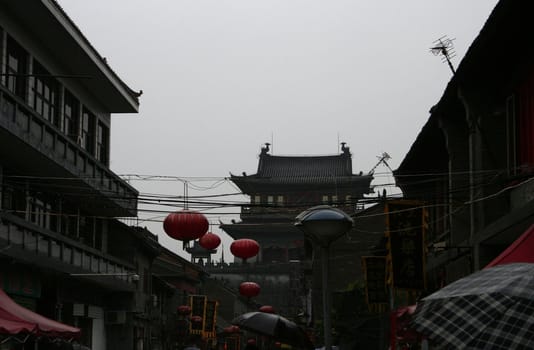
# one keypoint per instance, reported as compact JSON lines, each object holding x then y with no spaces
{"x":198,"y":308}
{"x":211,"y":315}
{"x":406,"y":226}
{"x":374,"y":268}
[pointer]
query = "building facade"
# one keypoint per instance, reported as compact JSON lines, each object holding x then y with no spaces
{"x":63,"y":254}
{"x":282,"y":187}
{"x":473,"y":162}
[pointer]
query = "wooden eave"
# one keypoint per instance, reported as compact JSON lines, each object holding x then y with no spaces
{"x":46,"y":21}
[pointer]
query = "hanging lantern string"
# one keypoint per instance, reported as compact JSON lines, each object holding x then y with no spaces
{"x":186,"y":194}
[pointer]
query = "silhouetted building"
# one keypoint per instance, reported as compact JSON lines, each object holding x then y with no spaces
{"x":62,"y":252}
{"x":473,"y":161}
{"x":282,"y":187}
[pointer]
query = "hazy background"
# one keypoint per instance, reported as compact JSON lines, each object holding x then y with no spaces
{"x":221,"y":77}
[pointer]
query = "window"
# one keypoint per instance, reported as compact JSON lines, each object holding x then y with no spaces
{"x":348,"y":199}
{"x":257,"y":199}
{"x":71,"y":110}
{"x":270,"y":199}
{"x":334,"y":199}
{"x":13,"y":199}
{"x":45,"y":93}
{"x":280,"y":200}
{"x":87,"y":131}
{"x":39,"y":212}
{"x":99,"y":229}
{"x":102,"y":142}
{"x":16,"y":68}
{"x":68,"y":223}
{"x":325,"y":199}
{"x":87,"y":230}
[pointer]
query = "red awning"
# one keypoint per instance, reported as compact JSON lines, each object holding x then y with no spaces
{"x":521,"y":251}
{"x":15,"y":319}
{"x":14,"y":327}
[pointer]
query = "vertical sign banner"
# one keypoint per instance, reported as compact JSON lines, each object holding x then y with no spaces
{"x":232,"y":343}
{"x":406,"y":226}
{"x":198,"y":308}
{"x":374,"y":270}
{"x":211,"y":316}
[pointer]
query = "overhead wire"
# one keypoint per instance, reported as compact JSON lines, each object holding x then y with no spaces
{"x":175,"y":201}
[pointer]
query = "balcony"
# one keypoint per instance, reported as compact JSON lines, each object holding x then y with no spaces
{"x":43,"y":248}
{"x":43,"y":151}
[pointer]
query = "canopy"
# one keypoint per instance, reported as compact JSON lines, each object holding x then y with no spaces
{"x":14,"y":327}
{"x":489,"y":309}
{"x":16,"y":319}
{"x":522,"y":250}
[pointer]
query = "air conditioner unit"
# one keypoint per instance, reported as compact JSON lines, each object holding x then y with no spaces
{"x":115,"y":317}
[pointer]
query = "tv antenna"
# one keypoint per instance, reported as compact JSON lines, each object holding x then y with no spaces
{"x":382,"y":159}
{"x":444,"y":47}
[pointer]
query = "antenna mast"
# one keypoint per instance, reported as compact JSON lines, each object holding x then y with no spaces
{"x":444,"y":47}
{"x":381,"y":160}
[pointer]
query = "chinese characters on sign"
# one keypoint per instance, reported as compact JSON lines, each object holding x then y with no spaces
{"x":406,"y":235}
{"x":374,"y":268}
{"x":211,"y":314}
{"x":198,"y":307}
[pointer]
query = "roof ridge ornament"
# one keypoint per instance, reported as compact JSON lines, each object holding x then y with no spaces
{"x":345,"y":149}
{"x":265,"y":150}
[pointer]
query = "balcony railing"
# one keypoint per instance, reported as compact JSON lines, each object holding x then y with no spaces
{"x":44,"y":137}
{"x":65,"y":254}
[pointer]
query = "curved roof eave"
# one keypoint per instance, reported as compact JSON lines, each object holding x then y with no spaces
{"x":48,"y":20}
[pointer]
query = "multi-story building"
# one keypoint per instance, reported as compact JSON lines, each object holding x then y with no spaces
{"x":282,"y":187}
{"x":63,"y":254}
{"x":473,"y":162}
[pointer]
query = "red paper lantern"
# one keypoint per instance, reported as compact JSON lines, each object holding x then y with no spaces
{"x":196,"y":319}
{"x":249,"y":289}
{"x":185,"y":225}
{"x":184,"y":309}
{"x":244,"y":248}
{"x":209,"y":241}
{"x":267,"y":309}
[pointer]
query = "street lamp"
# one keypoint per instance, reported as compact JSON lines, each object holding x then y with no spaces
{"x":324,"y":224}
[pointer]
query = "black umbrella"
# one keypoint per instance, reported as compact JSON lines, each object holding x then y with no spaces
{"x":274,"y":326}
{"x":490,"y":309}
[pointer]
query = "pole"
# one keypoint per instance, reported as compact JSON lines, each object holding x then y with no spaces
{"x":326,"y":301}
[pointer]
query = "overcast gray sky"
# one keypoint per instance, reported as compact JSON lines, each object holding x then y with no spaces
{"x":221,"y":77}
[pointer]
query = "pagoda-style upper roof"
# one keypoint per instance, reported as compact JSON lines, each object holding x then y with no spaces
{"x":303,"y":170}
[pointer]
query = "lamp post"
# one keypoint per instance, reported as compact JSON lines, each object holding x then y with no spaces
{"x":323,"y":225}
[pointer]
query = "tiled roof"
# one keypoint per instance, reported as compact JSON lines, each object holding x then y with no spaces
{"x":304,"y":167}
{"x":299,"y":171}
{"x":134,"y":94}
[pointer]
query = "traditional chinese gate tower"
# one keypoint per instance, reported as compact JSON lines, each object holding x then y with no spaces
{"x":282,"y":187}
